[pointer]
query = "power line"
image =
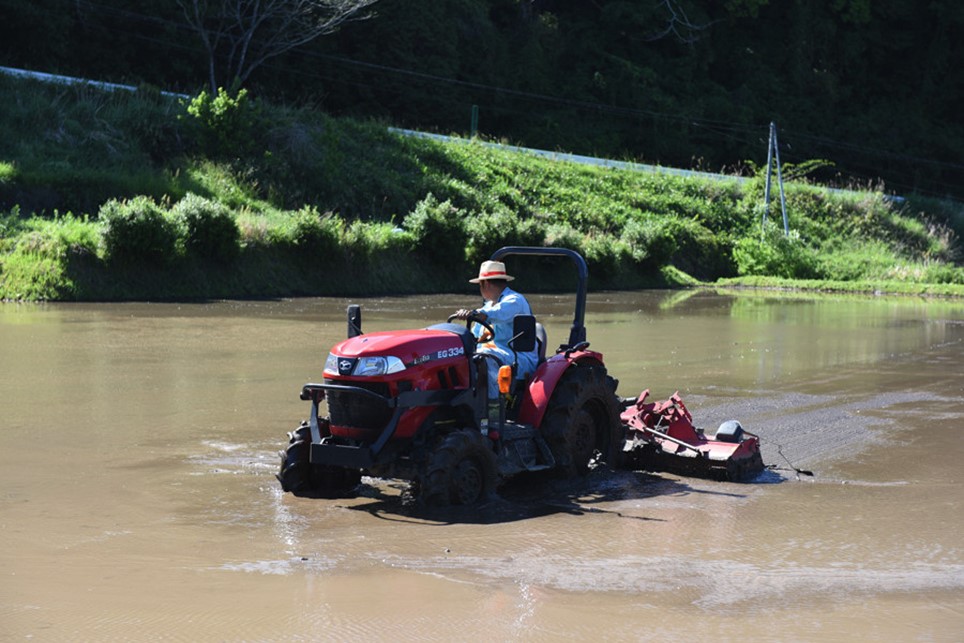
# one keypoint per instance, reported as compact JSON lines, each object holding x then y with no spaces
{"x":708,"y":124}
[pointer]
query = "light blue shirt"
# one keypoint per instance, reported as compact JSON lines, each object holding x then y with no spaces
{"x":500,"y":315}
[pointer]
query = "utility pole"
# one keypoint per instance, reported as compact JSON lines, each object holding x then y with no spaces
{"x":773,"y":150}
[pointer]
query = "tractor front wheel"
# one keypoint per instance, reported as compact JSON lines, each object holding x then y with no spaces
{"x":302,"y":478}
{"x":461,"y":471}
{"x":295,"y":467}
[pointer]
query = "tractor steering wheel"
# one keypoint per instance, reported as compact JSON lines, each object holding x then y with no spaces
{"x":489,"y":331}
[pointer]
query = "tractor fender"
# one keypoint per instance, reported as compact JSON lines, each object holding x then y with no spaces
{"x":544,"y":382}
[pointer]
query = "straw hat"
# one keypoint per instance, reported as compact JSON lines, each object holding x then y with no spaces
{"x":491,"y":270}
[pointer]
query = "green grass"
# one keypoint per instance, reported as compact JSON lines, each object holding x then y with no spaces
{"x":874,"y":287}
{"x":329,"y":206}
{"x":38,"y":254}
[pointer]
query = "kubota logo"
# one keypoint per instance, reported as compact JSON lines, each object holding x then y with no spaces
{"x":345,"y":366}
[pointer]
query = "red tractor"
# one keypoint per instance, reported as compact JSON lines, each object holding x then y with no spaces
{"x":413,"y":404}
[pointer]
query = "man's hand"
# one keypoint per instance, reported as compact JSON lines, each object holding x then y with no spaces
{"x":474,"y":315}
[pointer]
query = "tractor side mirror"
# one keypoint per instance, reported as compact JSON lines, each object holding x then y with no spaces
{"x":354,"y":321}
{"x":523,"y":333}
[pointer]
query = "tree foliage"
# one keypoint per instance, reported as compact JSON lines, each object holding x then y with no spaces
{"x":873,"y":87}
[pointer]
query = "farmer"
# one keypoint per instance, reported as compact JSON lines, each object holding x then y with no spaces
{"x":502,"y":304}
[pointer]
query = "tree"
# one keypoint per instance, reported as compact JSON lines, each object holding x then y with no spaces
{"x":240,"y":35}
{"x":678,"y":24}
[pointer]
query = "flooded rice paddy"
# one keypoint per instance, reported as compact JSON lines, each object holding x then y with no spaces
{"x":138,"y":500}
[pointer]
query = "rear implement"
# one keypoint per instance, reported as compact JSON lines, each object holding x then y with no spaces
{"x":660,"y":436}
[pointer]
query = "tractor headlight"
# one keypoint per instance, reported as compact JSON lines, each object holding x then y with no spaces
{"x":331,"y":365}
{"x":372,"y":366}
{"x":362,"y":366}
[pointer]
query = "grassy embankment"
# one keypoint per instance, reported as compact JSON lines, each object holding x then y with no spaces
{"x":135,"y":196}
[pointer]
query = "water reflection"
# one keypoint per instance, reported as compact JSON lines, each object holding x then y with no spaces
{"x":752,"y":340}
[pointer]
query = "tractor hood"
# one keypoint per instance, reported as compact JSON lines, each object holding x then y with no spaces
{"x":401,"y":349}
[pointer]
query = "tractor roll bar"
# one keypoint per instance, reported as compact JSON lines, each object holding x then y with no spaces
{"x":577,"y":334}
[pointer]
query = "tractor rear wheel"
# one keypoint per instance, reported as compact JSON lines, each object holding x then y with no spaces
{"x":461,"y":471}
{"x":582,"y":419}
{"x":302,"y":478}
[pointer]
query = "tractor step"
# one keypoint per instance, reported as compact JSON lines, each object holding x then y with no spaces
{"x":523,"y":449}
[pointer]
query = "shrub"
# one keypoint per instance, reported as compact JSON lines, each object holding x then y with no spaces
{"x":696,"y":250}
{"x":226,"y":125}
{"x":137,"y":230}
{"x":605,"y":255}
{"x":651,"y":242}
{"x":438,"y":228}
{"x":490,"y":231}
{"x":375,"y":238}
{"x":315,"y":235}
{"x":210,"y":229}
{"x":560,"y":235}
{"x":776,"y":254}
{"x":943,"y":274}
{"x":8,"y":172}
{"x":855,"y":259}
{"x":11,"y":223}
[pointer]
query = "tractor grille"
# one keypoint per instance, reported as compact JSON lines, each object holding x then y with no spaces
{"x":359,"y":411}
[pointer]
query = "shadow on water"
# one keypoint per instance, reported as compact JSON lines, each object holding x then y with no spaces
{"x":534,"y":496}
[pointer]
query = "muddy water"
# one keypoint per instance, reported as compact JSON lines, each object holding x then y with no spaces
{"x":137,"y":453}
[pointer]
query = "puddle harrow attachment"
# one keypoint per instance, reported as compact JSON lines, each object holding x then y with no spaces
{"x":660,"y":436}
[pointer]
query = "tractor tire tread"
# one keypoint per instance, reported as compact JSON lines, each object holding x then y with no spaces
{"x":442,"y":481}
{"x":583,"y":389}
